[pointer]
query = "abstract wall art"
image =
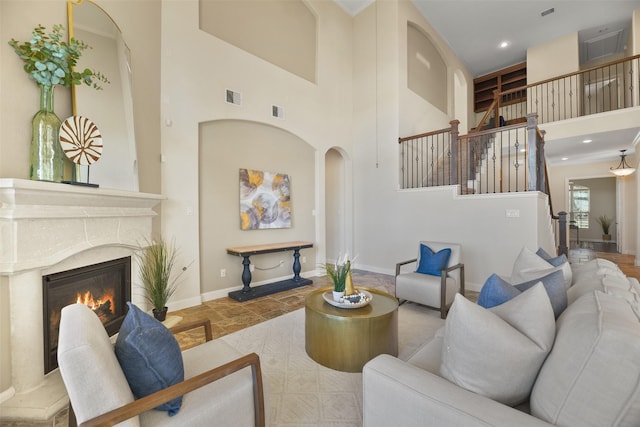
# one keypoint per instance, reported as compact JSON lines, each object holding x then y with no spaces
{"x":265,"y":200}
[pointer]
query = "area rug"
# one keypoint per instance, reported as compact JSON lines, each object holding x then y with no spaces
{"x":301,"y":392}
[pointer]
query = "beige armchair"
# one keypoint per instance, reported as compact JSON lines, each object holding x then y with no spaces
{"x":220,"y":387}
{"x":435,"y":292}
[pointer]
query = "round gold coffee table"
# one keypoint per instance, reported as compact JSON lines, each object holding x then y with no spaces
{"x":345,"y":339}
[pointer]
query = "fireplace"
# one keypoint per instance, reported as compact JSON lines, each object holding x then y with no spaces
{"x":104,"y":287}
{"x":45,"y":229}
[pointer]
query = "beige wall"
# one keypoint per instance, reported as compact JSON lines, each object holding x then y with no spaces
{"x":426,"y":71}
{"x":225,"y":147}
{"x":197,"y":69}
{"x":415,"y":114}
{"x":282,"y":32}
{"x":558,"y":57}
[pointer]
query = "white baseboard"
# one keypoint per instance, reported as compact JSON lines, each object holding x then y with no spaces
{"x":221,"y":293}
{"x":7,"y":394}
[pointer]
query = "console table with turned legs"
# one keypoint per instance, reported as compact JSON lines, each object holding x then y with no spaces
{"x":247,"y":292}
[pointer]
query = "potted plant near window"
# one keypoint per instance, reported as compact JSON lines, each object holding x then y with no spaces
{"x":605,"y":222}
{"x":157,"y":260}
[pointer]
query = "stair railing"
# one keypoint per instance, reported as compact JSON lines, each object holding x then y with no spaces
{"x":506,"y":159}
{"x":429,"y":159}
{"x":608,"y":87}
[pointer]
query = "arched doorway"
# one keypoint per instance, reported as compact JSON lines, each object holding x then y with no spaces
{"x":335,"y":205}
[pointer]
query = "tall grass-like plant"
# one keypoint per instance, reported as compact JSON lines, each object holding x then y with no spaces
{"x":338,"y":273}
{"x":157,"y":260}
{"x":605,"y":222}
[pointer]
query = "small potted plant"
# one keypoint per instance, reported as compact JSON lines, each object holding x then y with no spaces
{"x":157,"y":260}
{"x":338,"y":273}
{"x":605,"y":222}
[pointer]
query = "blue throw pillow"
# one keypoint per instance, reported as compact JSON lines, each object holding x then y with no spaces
{"x":497,"y":291}
{"x":555,"y":261}
{"x":433,"y":263}
{"x":150,"y":356}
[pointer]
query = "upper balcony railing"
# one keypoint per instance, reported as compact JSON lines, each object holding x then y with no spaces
{"x":507,"y":159}
{"x":608,"y":87}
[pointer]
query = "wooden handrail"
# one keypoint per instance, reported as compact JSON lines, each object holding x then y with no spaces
{"x":564,"y":76}
{"x":423,"y":135}
{"x":158,"y":398}
{"x":588,"y":70}
{"x":490,"y":108}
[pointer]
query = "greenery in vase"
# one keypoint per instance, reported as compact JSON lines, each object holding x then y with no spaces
{"x":157,"y":260}
{"x":605,"y":222}
{"x":338,"y":273}
{"x":50,"y":60}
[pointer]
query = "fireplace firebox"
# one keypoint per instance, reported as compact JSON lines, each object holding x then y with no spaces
{"x":104,"y":287}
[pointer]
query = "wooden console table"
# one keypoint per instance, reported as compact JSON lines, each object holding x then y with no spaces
{"x":247,"y":292}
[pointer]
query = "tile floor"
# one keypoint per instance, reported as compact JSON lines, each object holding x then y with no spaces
{"x":228,"y":316}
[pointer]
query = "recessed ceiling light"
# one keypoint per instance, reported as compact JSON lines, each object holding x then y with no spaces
{"x":586,"y":141}
{"x":504,"y":44}
{"x":564,"y":158}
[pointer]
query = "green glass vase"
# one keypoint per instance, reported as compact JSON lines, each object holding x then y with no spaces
{"x":47,"y":157}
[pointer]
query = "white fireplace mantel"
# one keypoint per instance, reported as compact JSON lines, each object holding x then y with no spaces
{"x":48,"y":227}
{"x":43,"y":223}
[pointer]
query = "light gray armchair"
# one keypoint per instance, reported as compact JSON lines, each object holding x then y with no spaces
{"x":435,"y":292}
{"x":220,"y":387}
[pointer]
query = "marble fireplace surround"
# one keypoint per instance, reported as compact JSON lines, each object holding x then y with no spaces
{"x":46,"y":228}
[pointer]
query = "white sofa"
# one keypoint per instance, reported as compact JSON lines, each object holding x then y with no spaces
{"x":591,"y":376}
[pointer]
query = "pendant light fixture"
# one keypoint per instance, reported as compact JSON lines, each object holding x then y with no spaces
{"x":623,"y":169}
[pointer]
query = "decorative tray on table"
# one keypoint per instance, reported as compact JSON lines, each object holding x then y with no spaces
{"x":360,"y":299}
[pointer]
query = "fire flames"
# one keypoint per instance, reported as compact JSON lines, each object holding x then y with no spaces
{"x":103,"y":306}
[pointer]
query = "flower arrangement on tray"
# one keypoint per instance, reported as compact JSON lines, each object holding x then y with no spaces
{"x":344,"y":292}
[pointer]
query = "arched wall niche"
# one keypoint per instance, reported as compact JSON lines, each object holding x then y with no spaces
{"x":336,"y":206}
{"x":282,"y":32}
{"x":426,"y":69}
{"x":225,"y":147}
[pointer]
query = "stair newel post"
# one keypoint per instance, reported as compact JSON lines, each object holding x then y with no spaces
{"x":562,"y":239}
{"x":454,"y":151}
{"x":496,"y":108}
{"x":542,"y":184}
{"x":532,"y":152}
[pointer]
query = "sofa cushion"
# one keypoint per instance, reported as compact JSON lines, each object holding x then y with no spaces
{"x":584,"y":286}
{"x":85,"y":352}
{"x":595,"y":267}
{"x":529,"y":266}
{"x":496,"y":291}
{"x":150,"y":356}
{"x":592,"y":375}
{"x":433,"y":263}
{"x":497,"y":352}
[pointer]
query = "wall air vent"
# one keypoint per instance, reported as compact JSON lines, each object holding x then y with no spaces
{"x":547,"y":12}
{"x":277,"y":111}
{"x":234,"y":97}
